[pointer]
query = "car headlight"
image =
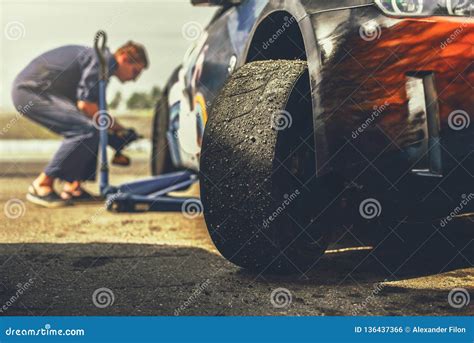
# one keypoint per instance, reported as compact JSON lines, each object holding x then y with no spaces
{"x":460,"y":7}
{"x":426,"y":7}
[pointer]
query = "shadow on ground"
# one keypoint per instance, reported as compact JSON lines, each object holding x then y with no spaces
{"x":167,"y":280}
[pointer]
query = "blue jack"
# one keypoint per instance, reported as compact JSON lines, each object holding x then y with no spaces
{"x":151,"y":194}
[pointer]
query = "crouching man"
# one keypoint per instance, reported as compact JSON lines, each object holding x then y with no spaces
{"x":60,"y":90}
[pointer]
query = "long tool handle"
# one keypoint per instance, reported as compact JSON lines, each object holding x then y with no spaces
{"x":104,"y":119}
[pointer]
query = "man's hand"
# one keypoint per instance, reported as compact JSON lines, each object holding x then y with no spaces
{"x":90,"y":109}
{"x":119,"y":140}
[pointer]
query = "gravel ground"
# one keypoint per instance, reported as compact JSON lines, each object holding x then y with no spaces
{"x":52,"y":262}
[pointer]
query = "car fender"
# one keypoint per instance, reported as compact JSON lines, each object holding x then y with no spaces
{"x":300,"y":12}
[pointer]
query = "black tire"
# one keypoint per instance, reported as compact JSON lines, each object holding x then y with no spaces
{"x":243,"y":183}
{"x":161,"y":162}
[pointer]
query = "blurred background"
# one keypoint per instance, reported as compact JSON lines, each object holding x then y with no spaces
{"x":32,"y":27}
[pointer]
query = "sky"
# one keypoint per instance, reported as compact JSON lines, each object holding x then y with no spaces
{"x":31,"y":27}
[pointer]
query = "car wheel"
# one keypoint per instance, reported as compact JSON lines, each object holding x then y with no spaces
{"x":258,"y":167}
{"x":161,"y":162}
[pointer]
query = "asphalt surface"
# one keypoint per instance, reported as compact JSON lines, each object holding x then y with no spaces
{"x":83,"y":260}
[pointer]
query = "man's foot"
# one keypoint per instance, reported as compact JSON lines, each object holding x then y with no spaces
{"x":43,"y":185}
{"x":121,"y":160}
{"x":78,"y":195}
{"x":49,"y":200}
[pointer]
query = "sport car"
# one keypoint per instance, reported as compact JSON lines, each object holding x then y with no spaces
{"x":324,"y":114}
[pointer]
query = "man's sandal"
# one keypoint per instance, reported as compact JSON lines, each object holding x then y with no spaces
{"x":50,"y":200}
{"x":83,"y":197}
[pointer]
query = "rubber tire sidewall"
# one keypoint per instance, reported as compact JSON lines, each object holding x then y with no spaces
{"x":161,"y":162}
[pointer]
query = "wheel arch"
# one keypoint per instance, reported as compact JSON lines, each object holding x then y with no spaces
{"x":276,"y":36}
{"x":302,"y":33}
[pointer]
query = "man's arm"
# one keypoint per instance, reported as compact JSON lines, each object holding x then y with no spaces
{"x":91,"y":108}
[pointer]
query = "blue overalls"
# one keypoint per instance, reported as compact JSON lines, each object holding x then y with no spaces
{"x":47,"y":91}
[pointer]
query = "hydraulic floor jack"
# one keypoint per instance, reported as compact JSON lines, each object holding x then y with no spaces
{"x":151,"y":194}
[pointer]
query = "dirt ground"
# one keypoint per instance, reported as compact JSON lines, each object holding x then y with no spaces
{"x":83,"y":260}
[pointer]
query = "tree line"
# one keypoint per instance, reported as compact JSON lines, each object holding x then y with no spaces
{"x":137,"y":100}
